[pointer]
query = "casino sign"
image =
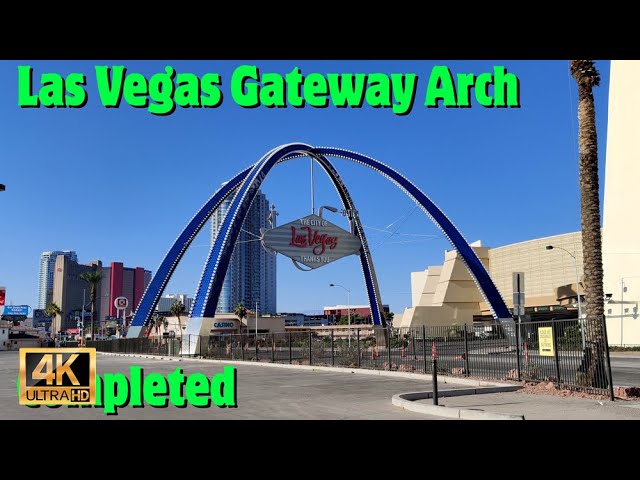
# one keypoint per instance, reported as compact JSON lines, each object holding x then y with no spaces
{"x":311,"y":241}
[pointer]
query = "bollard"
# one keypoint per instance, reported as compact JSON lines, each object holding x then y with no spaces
{"x":434,"y":372}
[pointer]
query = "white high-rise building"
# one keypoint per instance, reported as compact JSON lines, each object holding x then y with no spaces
{"x":251,"y":277}
{"x":47,"y":269}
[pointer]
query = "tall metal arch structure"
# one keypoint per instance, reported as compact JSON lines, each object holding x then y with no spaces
{"x":245,"y":185}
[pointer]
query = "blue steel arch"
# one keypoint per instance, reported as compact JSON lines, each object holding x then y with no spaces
{"x":474,"y":265}
{"x":155,"y":288}
{"x":246,"y":185}
{"x":220,"y":255}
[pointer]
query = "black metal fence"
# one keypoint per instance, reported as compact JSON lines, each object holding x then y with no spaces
{"x":565,"y":352}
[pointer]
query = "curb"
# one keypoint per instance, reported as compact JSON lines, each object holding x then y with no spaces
{"x":384,"y":373}
{"x":406,"y":401}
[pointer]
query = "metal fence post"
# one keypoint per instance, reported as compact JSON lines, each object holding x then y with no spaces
{"x":257,"y":351}
{"x":358,"y":343}
{"x":273,"y":348}
{"x":466,"y":352}
{"x":242,"y":346}
{"x":389,"y":349}
{"x":332,"y":355}
{"x":555,"y":348}
{"x":310,"y":360}
{"x":518,"y":351}
{"x":424,"y":347}
{"x":608,"y":359}
{"x":290,"y":349}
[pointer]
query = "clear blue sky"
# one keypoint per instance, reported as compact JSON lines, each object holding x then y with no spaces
{"x":120,"y":184}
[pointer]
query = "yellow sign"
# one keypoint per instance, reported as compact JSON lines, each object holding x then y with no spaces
{"x":545,"y":341}
{"x":57,"y":376}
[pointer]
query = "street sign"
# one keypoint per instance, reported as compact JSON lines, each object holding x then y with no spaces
{"x":518,"y":299}
{"x":545,"y":341}
{"x":518,"y":282}
{"x":16,"y":310}
{"x":121,"y":303}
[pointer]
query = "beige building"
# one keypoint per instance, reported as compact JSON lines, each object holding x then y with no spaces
{"x":227,"y":323}
{"x":4,"y":334}
{"x":621,"y":222}
{"x":447,"y":295}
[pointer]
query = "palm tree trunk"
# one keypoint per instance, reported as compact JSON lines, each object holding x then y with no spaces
{"x":93,"y":323}
{"x":592,"y":372}
{"x":180,"y":325}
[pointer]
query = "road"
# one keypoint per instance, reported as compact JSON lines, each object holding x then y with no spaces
{"x":262,"y":393}
{"x":625,"y":370}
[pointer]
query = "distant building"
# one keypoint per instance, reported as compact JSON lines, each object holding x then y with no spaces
{"x":5,"y":326}
{"x":45,"y":277}
{"x":302,"y":320}
{"x":251,"y":277}
{"x":334,"y":312}
{"x":120,"y":281}
{"x":41,"y":320}
{"x":165,"y":302}
{"x":70,"y":290}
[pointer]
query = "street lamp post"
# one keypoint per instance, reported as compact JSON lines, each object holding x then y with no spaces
{"x":575,"y":263}
{"x":81,"y":323}
{"x":348,"y":307}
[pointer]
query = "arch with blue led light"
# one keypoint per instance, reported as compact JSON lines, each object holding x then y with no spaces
{"x":245,"y":186}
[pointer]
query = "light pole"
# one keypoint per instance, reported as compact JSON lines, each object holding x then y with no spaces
{"x":575,"y":263}
{"x":256,"y":322}
{"x":348,"y":306}
{"x":622,"y":290}
{"x":331,"y":209}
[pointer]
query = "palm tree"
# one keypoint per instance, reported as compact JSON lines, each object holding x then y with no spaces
{"x":53,"y":310}
{"x":592,"y":371}
{"x":150,"y":327}
{"x":160,"y":321}
{"x":240,"y":311}
{"x":93,"y":279}
{"x":177,"y":309}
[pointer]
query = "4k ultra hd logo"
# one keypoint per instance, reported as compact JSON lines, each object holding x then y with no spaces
{"x":57,"y":376}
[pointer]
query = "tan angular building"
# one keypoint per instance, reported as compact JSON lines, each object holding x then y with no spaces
{"x":447,"y":295}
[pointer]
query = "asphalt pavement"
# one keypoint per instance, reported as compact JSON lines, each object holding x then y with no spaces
{"x":284,"y":392}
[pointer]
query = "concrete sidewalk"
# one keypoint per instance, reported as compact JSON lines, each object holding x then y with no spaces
{"x":541,"y":406}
